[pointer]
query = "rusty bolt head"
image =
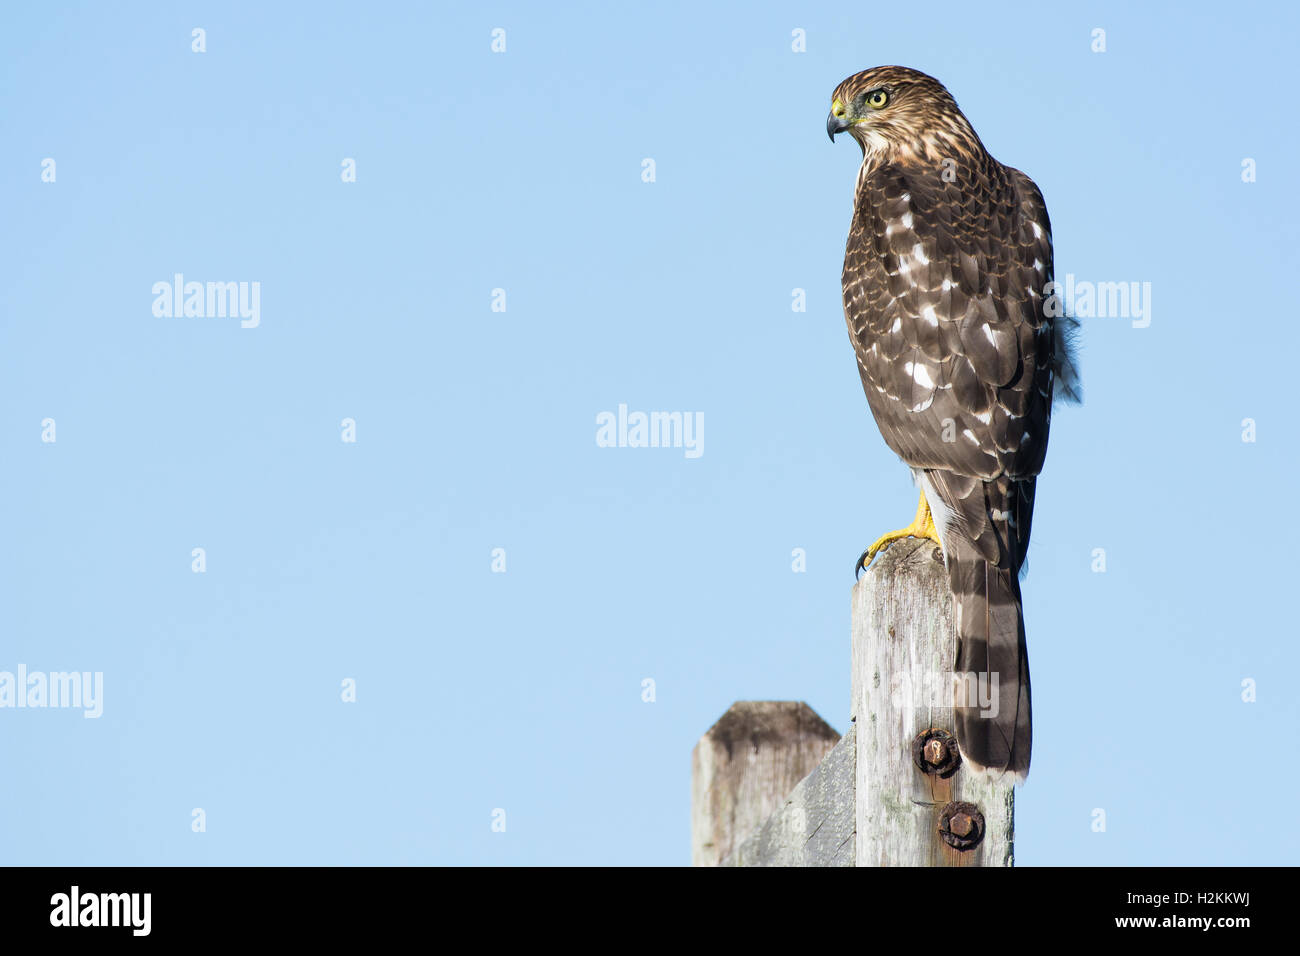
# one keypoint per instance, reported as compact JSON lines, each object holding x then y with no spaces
{"x":935,"y":751}
{"x":961,"y":826}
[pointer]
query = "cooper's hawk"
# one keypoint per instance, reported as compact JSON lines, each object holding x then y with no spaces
{"x":945,"y":274}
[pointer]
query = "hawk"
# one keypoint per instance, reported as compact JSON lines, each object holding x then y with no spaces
{"x":945,"y":285}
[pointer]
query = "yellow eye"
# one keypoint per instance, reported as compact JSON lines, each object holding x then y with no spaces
{"x":877,"y":99}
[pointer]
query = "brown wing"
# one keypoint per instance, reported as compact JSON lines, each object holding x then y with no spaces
{"x":943,"y":293}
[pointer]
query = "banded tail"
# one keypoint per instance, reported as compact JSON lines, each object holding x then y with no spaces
{"x":984,"y":525}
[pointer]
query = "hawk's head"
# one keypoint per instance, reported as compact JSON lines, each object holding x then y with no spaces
{"x":897,"y":114}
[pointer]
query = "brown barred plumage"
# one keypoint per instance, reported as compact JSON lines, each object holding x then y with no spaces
{"x":948,"y":257}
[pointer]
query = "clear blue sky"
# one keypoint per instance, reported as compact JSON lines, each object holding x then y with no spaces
{"x":476,"y":429}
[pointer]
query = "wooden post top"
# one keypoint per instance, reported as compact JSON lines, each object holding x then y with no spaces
{"x":743,"y":768}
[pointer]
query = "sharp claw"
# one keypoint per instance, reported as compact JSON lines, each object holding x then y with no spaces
{"x":922,"y":526}
{"x":862,"y":564}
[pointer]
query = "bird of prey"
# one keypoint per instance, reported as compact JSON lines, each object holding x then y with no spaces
{"x":946,"y":295}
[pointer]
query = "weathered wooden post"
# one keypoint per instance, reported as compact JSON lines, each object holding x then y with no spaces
{"x":893,"y":790}
{"x":744,"y":767}
{"x":916,"y":804}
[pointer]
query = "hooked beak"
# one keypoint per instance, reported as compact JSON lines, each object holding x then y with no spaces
{"x":837,"y":121}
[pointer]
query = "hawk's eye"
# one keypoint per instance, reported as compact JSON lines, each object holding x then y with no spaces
{"x":877,"y":99}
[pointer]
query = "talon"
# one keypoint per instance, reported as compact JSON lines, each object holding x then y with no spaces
{"x":863,"y":561}
{"x":922,"y":526}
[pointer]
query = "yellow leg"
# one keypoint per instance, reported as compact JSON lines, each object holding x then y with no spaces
{"x":922,"y":526}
